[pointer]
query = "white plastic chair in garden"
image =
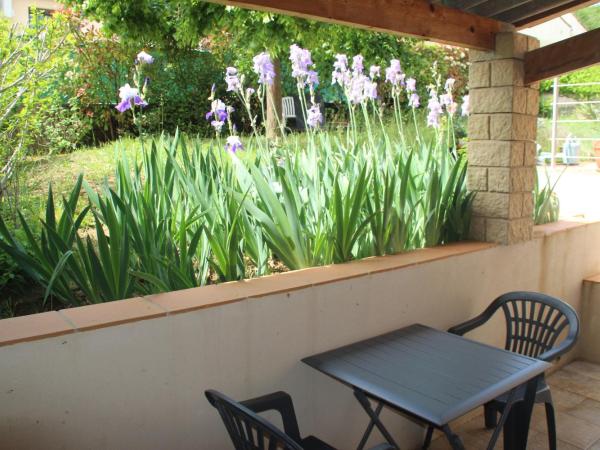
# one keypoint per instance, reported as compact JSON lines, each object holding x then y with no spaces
{"x":289,"y":109}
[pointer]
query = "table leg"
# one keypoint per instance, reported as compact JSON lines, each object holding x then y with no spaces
{"x":516,"y":428}
{"x":375,"y":422}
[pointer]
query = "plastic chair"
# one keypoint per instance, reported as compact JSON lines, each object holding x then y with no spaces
{"x":288,"y":108}
{"x":249,"y":431}
{"x":534,"y":324}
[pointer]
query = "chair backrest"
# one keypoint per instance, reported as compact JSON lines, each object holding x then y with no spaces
{"x":535,"y":322}
{"x":248,"y":430}
{"x":289,"y":109}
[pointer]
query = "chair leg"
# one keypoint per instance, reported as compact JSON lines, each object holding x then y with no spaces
{"x":453,"y":439}
{"x":428,"y":437}
{"x":491,"y":416}
{"x":551,"y":421}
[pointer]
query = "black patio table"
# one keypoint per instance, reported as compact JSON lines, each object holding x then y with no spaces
{"x":434,"y":377}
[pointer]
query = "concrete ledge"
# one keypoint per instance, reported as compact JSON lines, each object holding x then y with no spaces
{"x":560,"y":226}
{"x":91,"y":317}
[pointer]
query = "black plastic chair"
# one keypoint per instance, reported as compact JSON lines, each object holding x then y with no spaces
{"x":534,"y":324}
{"x":249,"y":431}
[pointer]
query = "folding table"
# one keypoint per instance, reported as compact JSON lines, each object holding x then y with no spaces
{"x":434,"y":377}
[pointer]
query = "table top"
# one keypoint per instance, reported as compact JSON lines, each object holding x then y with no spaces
{"x":431,"y":374}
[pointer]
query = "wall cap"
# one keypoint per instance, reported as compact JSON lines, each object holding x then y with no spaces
{"x":90,"y":317}
{"x":540,"y":231}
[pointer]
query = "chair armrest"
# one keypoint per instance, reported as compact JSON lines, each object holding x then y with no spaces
{"x":383,"y":447}
{"x":282,"y":403}
{"x":469,"y":325}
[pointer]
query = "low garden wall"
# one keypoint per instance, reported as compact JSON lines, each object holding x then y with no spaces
{"x":131,"y":374}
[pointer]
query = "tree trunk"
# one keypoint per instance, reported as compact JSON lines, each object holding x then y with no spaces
{"x":274,"y":93}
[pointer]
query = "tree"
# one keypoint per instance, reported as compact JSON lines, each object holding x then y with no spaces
{"x":181,"y":24}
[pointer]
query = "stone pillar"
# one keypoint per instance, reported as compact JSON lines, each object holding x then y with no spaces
{"x":502,"y":134}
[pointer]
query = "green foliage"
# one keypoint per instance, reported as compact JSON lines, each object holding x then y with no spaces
{"x":189,"y":214}
{"x":589,"y":75}
{"x":545,"y":201}
{"x":589,"y":17}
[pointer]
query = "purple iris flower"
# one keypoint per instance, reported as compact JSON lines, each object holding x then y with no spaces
{"x":301,"y":61}
{"x":340,"y":71}
{"x":314,"y":118}
{"x":219,"y":113}
{"x":263,"y":66}
{"x":393,"y":74}
{"x":233,"y":144}
{"x":357,"y":64}
{"x":370,"y":90}
{"x":466,"y":107}
{"x":414,"y":101}
{"x":452,"y":108}
{"x":411,"y":85}
{"x":374,"y":72}
{"x":341,"y":63}
{"x":302,"y":66}
{"x":144,"y":58}
{"x":446,"y":99}
{"x":232,"y":79}
{"x":356,"y":89}
{"x":435,"y":109}
{"x":129,"y":97}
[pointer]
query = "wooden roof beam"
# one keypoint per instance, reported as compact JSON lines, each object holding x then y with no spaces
{"x":562,"y":57}
{"x":417,"y":18}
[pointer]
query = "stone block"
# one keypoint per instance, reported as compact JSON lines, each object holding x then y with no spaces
{"x":527,"y":204}
{"x":530,"y":157}
{"x":496,"y":230}
{"x":479,"y":126}
{"x":479,"y":74}
{"x":507,"y":72}
{"x":515,"y":206}
{"x":533,"y":102}
{"x":499,"y":179}
{"x":491,"y":100}
{"x":491,"y":205}
{"x":520,"y":230}
{"x":522,"y":179}
{"x":477,"y":178}
{"x":511,"y":45}
{"x":507,"y":232}
{"x":506,"y":127}
{"x":495,"y":153}
{"x":479,"y":55}
{"x":505,"y":99}
{"x":477,"y":230}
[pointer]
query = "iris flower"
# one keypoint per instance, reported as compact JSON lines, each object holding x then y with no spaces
{"x":233,"y":144}
{"x":314,"y":118}
{"x":144,"y":58}
{"x":466,"y":107}
{"x":263,"y":66}
{"x":232,"y":80}
{"x":129,"y":97}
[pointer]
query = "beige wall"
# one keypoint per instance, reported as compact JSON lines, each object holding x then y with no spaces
{"x":140,"y":385}
{"x":20,"y":8}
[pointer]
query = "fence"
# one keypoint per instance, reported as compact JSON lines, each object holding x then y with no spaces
{"x":555,"y":117}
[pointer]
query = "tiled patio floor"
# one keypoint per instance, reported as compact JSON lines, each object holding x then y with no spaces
{"x":576,"y":393}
